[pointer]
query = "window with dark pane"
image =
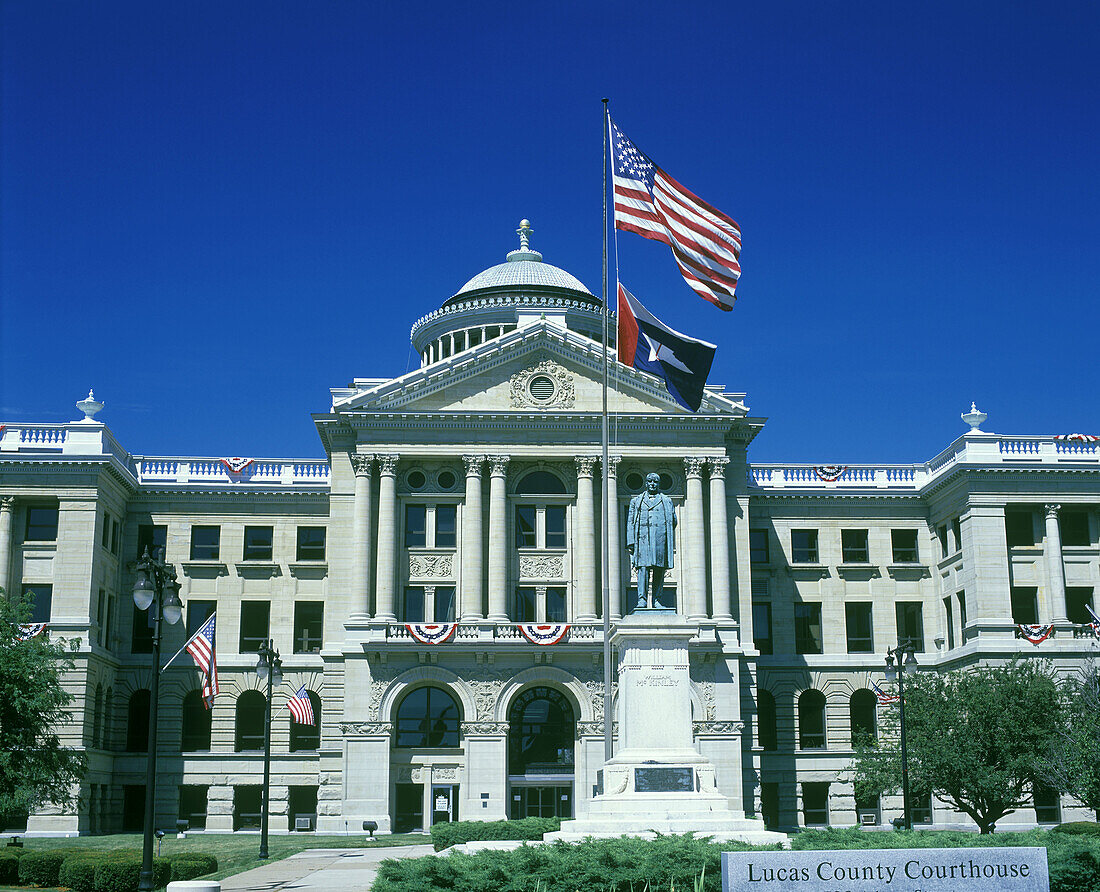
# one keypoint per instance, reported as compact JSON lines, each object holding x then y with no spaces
{"x":904,"y":546}
{"x":446,"y":526}
{"x":258,"y":543}
{"x":1019,"y":528}
{"x":152,"y":538}
{"x":255,"y":625}
{"x":205,"y":543}
{"x":309,"y":620}
{"x":555,"y":526}
{"x":857,"y":620}
{"x":815,"y":804}
{"x":41,"y":524}
{"x":311,"y":544}
{"x":759,"y":551}
{"x":853,"y":546}
{"x":807,"y":628}
{"x":1025,"y":605}
{"x":413,"y":611}
{"x":804,"y":546}
{"x":525,"y":526}
{"x":862,"y":713}
{"x":1074,"y":527}
{"x":137,"y":722}
{"x":1078,"y":600}
{"x":40,"y":594}
{"x":526,"y":604}
{"x":198,"y":612}
{"x":555,"y":604}
{"x":250,"y":718}
{"x":427,"y":717}
{"x":196,"y":723}
{"x":762,"y":626}
{"x":811,"y":720}
{"x":306,"y":737}
{"x":416,"y":526}
{"x":910,"y":617}
{"x":766,"y":719}
{"x":444,"y":604}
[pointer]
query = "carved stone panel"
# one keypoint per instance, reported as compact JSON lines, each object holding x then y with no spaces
{"x":543,"y":386}
{"x":431,"y":566}
{"x":542,"y":566}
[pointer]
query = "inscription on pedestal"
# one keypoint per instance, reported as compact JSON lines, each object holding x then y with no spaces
{"x":664,"y":780}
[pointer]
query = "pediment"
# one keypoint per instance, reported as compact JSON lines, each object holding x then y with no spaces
{"x":539,"y":368}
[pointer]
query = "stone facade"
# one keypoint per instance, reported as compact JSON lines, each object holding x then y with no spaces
{"x":470,"y":491}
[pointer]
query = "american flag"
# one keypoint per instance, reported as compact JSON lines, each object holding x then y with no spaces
{"x":201,"y":647}
{"x":705,"y":242}
{"x":301,"y":708}
{"x":883,"y":698}
{"x":1095,"y":624}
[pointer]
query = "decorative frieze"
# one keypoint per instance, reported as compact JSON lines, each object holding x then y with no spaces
{"x":717,"y":727}
{"x":366,"y":729}
{"x":546,"y":566}
{"x":431,"y":566}
{"x":546,"y":385}
{"x":495,"y":728}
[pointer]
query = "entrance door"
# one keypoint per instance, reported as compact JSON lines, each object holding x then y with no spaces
{"x":409,"y":808}
{"x":444,"y":803}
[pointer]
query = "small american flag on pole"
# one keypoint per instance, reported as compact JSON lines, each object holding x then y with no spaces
{"x":648,"y":202}
{"x":301,"y":709}
{"x":201,"y":647}
{"x":882,"y":697}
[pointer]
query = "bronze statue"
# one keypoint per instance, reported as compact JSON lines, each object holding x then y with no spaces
{"x":649,"y":539}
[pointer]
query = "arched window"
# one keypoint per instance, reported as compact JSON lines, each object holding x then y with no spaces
{"x":428,"y":717}
{"x":97,"y":717}
{"x":196,"y":723}
{"x":862,"y":711}
{"x":306,"y":737}
{"x":541,"y":732}
{"x":137,"y":722}
{"x":765,"y":711}
{"x":541,"y":483}
{"x":108,"y":719}
{"x":811,"y":720}
{"x":251,"y":712}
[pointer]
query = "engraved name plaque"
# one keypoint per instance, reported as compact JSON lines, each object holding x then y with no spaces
{"x":664,"y":780}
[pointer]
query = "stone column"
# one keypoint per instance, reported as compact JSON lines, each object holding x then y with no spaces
{"x":584,"y":557}
{"x":363,"y":465}
{"x":470,"y":585}
{"x":387,"y":537}
{"x":498,"y":539}
{"x":719,"y":540}
{"x":614,"y":548}
{"x":1056,"y":574}
{"x":695,"y":547}
{"x":7,"y":506}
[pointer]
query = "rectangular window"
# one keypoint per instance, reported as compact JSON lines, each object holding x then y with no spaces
{"x":1048,"y":806}
{"x":153,"y":537}
{"x":141,"y":632}
{"x":309,"y":619}
{"x":920,"y":809}
{"x":198,"y":612}
{"x":910,"y":616}
{"x":758,"y":547}
{"x":857,"y":619}
{"x":41,"y":525}
{"x":904,"y":546}
{"x":956,"y":528}
{"x":1025,"y":605}
{"x":192,"y":808}
{"x":257,"y":543}
{"x":246,"y":807}
{"x":446,"y":526}
{"x":1019,"y":528}
{"x":815,"y":804}
{"x":525,"y":526}
{"x":555,"y":526}
{"x":444,"y":604}
{"x":105,"y":537}
{"x":555,"y":604}
{"x":853,"y":546}
{"x":961,"y":598}
{"x":807,"y":628}
{"x":1077,"y":598}
{"x":769,"y":804}
{"x":116,"y":536}
{"x":762,"y":627}
{"x":101,"y":617}
{"x":41,"y":597}
{"x":255,"y":625}
{"x":526,"y":601}
{"x":1074,"y":526}
{"x":941,"y":534}
{"x":311,"y":544}
{"x":414,"y":604}
{"x":804,"y":546}
{"x":205,"y":543}
{"x":416,"y":526}
{"x":949,"y":622}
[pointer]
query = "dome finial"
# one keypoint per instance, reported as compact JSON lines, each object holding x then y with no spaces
{"x":524,"y":233}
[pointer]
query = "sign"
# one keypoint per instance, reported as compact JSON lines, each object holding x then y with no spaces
{"x":888,"y":870}
{"x":441,"y":803}
{"x":664,"y":780}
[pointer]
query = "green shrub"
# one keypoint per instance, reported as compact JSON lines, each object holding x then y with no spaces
{"x":78,"y":871}
{"x":120,"y":873}
{"x":40,"y":868}
{"x":1079,"y":872}
{"x":9,"y":869}
{"x":188,"y":865}
{"x":1079,"y":828}
{"x":446,"y":835}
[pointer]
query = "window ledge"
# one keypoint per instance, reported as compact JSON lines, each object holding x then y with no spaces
{"x":309,"y":569}
{"x":809,"y":571}
{"x":204,"y":569}
{"x":914,"y":570}
{"x":862,"y":570}
{"x":257,"y":569}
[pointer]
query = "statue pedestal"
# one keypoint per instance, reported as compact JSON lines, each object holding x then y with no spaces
{"x":658,"y":782}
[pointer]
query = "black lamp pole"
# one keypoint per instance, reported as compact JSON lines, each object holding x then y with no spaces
{"x":905,"y":655}
{"x":155,"y":589}
{"x":269,"y":666}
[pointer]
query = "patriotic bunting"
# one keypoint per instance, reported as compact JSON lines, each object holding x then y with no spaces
{"x":431,"y":633}
{"x":548,"y":633}
{"x":236,"y":464}
{"x":830,"y":473}
{"x":1036,"y":634}
{"x":301,"y":708}
{"x":882,"y":697}
{"x":1076,"y":438}
{"x":27,"y":631}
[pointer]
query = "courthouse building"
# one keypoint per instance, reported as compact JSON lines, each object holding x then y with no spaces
{"x":469,"y":491}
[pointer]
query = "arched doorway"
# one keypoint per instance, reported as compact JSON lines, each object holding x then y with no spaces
{"x":542,"y":731}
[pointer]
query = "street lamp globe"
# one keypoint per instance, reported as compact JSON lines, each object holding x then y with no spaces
{"x":144,"y":590}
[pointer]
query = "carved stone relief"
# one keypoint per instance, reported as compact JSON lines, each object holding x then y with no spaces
{"x":703,"y":676}
{"x":563,"y":396}
{"x":718,"y":727}
{"x":431,"y":566}
{"x":353,"y":729}
{"x":542,"y":567}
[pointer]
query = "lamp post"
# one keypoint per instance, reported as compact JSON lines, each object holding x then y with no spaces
{"x":905,"y":655}
{"x":270,"y":668}
{"x":155,"y":589}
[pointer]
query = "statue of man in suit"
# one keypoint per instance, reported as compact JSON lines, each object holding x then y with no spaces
{"x":649,"y":540}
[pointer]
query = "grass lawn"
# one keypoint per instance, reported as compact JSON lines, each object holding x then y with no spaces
{"x":236,"y":853}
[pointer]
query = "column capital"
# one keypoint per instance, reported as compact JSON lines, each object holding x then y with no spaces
{"x":693,"y":467}
{"x":498,"y":465}
{"x":586,"y":464}
{"x":613,"y":465}
{"x":387,"y":463}
{"x":7,"y":503}
{"x":473,"y":464}
{"x":717,"y":465}
{"x":362,"y":463}
{"x":1052,"y":510}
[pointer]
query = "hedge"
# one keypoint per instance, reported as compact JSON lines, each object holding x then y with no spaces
{"x":120,"y":873}
{"x":9,"y":869}
{"x":41,"y":868}
{"x":188,"y":865}
{"x":78,"y":871}
{"x":1079,"y":828}
{"x":446,"y":835}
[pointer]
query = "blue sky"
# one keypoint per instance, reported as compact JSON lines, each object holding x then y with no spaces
{"x":212,"y":212}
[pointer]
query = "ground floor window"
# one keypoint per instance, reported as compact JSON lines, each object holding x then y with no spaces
{"x":867,"y":810}
{"x":769,"y":805}
{"x":408,"y":808}
{"x":541,"y":802}
{"x":302,"y":805}
{"x":192,"y":807}
{"x":247,"y":806}
{"x":920,"y":808}
{"x":815,"y":804}
{"x":1048,"y":807}
{"x":133,"y":808}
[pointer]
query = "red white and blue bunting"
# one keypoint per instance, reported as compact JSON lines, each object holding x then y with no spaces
{"x":1034,"y":634}
{"x":830,"y":473}
{"x":431,"y":633}
{"x":547,"y":633}
{"x":236,"y":464}
{"x":27,"y":631}
{"x":1076,"y":438}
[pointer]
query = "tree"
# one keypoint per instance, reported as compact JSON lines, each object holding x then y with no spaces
{"x":1073,"y":763}
{"x":975,"y":738}
{"x":34,"y":766}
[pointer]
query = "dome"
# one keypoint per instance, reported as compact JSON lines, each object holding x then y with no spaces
{"x":518,"y":273}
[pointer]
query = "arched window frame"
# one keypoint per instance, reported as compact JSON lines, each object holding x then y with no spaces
{"x":306,"y":738}
{"x":813,"y":731}
{"x":438,"y":728}
{"x":251,"y":711}
{"x":518,"y":711}
{"x":863,"y":705}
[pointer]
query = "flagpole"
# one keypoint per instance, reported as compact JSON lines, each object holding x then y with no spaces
{"x":188,"y":641}
{"x":611,"y":512}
